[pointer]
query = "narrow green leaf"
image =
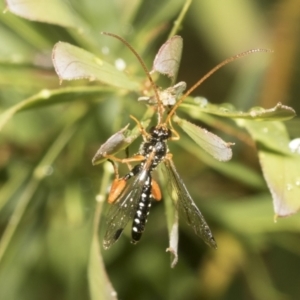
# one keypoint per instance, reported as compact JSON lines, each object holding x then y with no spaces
{"x":280,"y":112}
{"x":14,"y":50}
{"x":54,"y":12}
{"x":167,"y":10}
{"x":231,"y":169}
{"x":177,"y":24}
{"x":172,"y":218}
{"x":210,"y":142}
{"x":18,"y":177}
{"x":269,"y":135}
{"x":50,"y":97}
{"x":250,"y":216}
{"x":282,"y":174}
{"x":280,"y":165}
{"x":114,"y":144}
{"x":73,"y":63}
{"x":117,"y":142}
{"x":173,"y":238}
{"x":99,"y":285}
{"x":168,"y":57}
{"x":39,"y":173}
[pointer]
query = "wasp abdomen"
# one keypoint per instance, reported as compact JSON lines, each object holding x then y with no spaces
{"x":142,"y":212}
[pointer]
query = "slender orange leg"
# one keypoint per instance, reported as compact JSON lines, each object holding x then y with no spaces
{"x":143,"y":132}
{"x":169,"y":156}
{"x":116,"y":189}
{"x":117,"y":185}
{"x":134,"y":158}
{"x":155,"y":190}
{"x":177,"y":136}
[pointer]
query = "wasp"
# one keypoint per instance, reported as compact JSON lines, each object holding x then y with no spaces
{"x":131,"y":195}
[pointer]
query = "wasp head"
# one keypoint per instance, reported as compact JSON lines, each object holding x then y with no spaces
{"x":160,"y":133}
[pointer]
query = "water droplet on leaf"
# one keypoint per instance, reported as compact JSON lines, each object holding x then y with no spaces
{"x":256,"y":111}
{"x":227,"y":107}
{"x":201,"y":101}
{"x":120,"y":64}
{"x":294,"y":145}
{"x":45,"y":93}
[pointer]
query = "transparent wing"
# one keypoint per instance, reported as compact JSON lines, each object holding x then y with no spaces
{"x":124,"y":208}
{"x":208,"y":141}
{"x":186,"y":205}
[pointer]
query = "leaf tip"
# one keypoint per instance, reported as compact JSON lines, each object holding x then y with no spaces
{"x":175,"y":256}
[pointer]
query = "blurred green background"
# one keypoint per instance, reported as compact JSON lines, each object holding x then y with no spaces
{"x":49,"y":186}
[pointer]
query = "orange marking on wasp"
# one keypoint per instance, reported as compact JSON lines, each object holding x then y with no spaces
{"x":155,"y":190}
{"x":116,"y":189}
{"x":117,"y":185}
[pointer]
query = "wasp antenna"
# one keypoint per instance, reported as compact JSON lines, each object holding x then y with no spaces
{"x":159,"y":103}
{"x":217,"y":67}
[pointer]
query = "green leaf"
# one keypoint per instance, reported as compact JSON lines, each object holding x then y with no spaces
{"x":268,"y":135}
{"x":114,"y":144}
{"x":197,"y":105}
{"x":279,"y":164}
{"x":231,"y":169}
{"x":250,"y":216}
{"x":172,"y":217}
{"x":282,"y":174}
{"x":168,"y":57}
{"x":210,"y":142}
{"x":99,"y":285}
{"x":50,"y":97}
{"x":39,"y":173}
{"x":14,"y":50}
{"x":73,"y":63}
{"x":173,"y":221}
{"x":54,"y":12}
{"x":117,"y":142}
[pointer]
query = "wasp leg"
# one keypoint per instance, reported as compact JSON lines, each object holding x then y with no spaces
{"x":155,"y":190}
{"x":143,"y":132}
{"x":176,"y":136}
{"x":116,"y":189}
{"x":169,"y":156}
{"x":116,"y":170}
{"x":135,"y":158}
{"x":127,"y":152}
{"x":117,"y":185}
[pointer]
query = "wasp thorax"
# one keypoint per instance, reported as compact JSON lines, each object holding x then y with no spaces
{"x":160,"y":133}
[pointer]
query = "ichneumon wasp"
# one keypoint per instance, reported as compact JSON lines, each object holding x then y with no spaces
{"x":131,"y":195}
